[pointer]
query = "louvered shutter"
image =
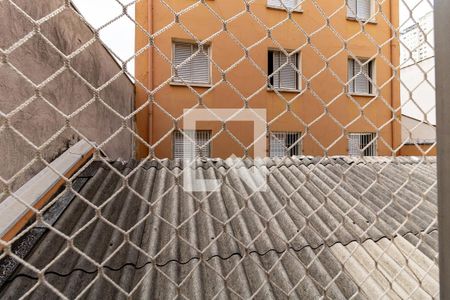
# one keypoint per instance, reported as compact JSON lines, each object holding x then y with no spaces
{"x":351,"y":8}
{"x":292,"y":143}
{"x":288,"y":75}
{"x":204,"y":148}
{"x":178,"y":147}
{"x":353,"y":145}
{"x":368,"y":144}
{"x":351,"y":74}
{"x":192,"y":144}
{"x":200,"y":66}
{"x":275,"y":66}
{"x":290,"y":4}
{"x":284,"y":143}
{"x":363,"y":9}
{"x":274,"y":2}
{"x":182,"y":52}
{"x":361,"y":81}
{"x":195,"y":70}
{"x":277,"y":148}
{"x":362,"y":143}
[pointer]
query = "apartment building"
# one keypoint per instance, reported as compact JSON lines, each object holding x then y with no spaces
{"x":320,"y":68}
{"x":418,"y":40}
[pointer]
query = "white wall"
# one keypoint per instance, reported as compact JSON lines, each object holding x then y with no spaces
{"x":418,"y":91}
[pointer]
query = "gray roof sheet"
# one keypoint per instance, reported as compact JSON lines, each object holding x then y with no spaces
{"x":335,"y":227}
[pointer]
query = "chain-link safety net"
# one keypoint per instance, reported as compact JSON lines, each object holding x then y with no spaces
{"x":218,"y":149}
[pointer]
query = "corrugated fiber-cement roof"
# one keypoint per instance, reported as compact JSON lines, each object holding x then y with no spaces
{"x":336,"y":228}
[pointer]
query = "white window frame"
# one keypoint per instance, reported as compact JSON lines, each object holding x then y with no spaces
{"x":278,"y":137}
{"x":270,"y":79}
{"x":200,"y":135}
{"x":371,"y":150}
{"x":352,"y":14}
{"x":177,"y":81}
{"x":277,"y":5}
{"x":352,"y":78}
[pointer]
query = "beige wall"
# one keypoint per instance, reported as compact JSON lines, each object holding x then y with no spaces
{"x":37,"y":60}
{"x":322,"y":85}
{"x":417,"y":131}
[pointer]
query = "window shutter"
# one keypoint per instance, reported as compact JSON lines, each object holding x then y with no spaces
{"x":351,"y":74}
{"x":288,"y":75}
{"x":185,"y":145}
{"x":368,"y":144}
{"x":273,"y":2}
{"x":276,"y":65}
{"x":178,"y":149}
{"x":353,"y":145}
{"x":196,"y":70}
{"x":293,"y":143}
{"x":361,"y":81}
{"x":362,"y":143}
{"x":363,"y":9}
{"x":277,"y":148}
{"x":204,"y":148}
{"x":284,"y":143}
{"x":290,"y":4}
{"x":351,"y":8}
{"x":182,"y":52}
{"x":200,"y":66}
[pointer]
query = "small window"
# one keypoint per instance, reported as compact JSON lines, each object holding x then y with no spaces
{"x":359,"y":9}
{"x":285,"y":144}
{"x":362,"y":144}
{"x":184,"y":143}
{"x":285,"y":4}
{"x":192,"y":65}
{"x":360,"y":76}
{"x":283,"y":71}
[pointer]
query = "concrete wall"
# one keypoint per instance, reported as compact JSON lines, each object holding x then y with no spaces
{"x":416,"y":131}
{"x":323,"y":128}
{"x":419,"y":138}
{"x":38,"y":121}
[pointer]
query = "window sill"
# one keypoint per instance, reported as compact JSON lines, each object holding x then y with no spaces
{"x":371,"y":21}
{"x":297,"y":10}
{"x":191,"y":84}
{"x":283,"y":90}
{"x":362,"y":95}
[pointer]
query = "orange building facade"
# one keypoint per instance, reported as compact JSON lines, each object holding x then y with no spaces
{"x":321,"y":105}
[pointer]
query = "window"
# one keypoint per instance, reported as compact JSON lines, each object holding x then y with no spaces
{"x":285,"y":144}
{"x":283,"y":71}
{"x":362,"y":144}
{"x":183,"y":143}
{"x":359,"y":9}
{"x":360,"y":76}
{"x":289,"y":4}
{"x":196,"y":67}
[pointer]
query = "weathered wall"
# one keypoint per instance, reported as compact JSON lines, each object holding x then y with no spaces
{"x":38,"y":121}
